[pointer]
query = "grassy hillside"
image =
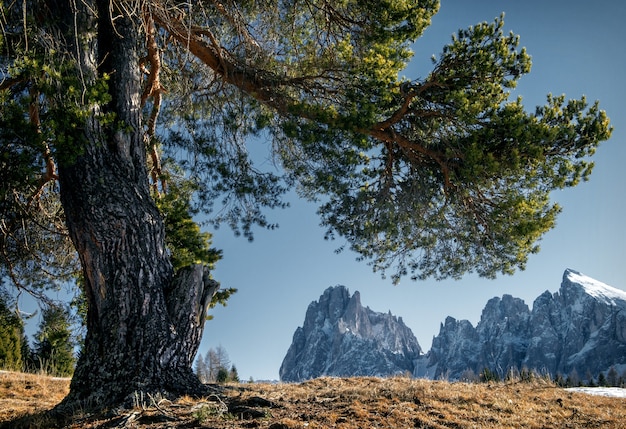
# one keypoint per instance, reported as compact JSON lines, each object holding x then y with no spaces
{"x":329,"y":403}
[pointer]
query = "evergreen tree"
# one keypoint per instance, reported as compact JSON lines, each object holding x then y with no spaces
{"x":602,"y":382}
{"x":28,"y":364}
{"x":487,"y":375}
{"x":188,"y":245}
{"x":222,"y":375}
{"x":559,"y":380}
{"x":431,"y":177}
{"x":573,"y":379}
{"x":12,"y":337}
{"x":233,"y":375}
{"x":612,"y":377}
{"x":54,"y":348}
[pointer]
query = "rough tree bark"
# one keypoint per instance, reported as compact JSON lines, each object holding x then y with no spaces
{"x":144,"y":325}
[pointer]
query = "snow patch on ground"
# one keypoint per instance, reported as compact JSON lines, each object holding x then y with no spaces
{"x":614,"y":392}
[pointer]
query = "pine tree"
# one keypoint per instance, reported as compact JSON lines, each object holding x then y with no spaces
{"x":488,"y":375}
{"x":222,"y":375}
{"x":54,"y":348}
{"x":612,"y":377}
{"x":28,"y":364}
{"x":11,"y":337}
{"x":233,"y":375}
{"x":573,"y":379}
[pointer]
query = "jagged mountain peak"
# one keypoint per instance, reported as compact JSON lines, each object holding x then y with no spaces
{"x":503,"y":308}
{"x":340,"y":337}
{"x":598,"y":290}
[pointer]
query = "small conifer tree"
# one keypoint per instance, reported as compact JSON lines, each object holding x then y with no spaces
{"x":487,"y":375}
{"x":222,"y":375}
{"x":612,"y":377}
{"x":54,"y":347}
{"x":573,"y":379}
{"x":11,"y":336}
{"x":233,"y":375}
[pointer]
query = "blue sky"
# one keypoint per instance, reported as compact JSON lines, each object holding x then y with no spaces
{"x":577,"y":49}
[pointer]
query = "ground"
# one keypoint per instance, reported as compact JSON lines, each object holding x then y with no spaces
{"x":343,"y":403}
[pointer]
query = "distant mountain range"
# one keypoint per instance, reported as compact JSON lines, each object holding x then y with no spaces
{"x":579,"y":329}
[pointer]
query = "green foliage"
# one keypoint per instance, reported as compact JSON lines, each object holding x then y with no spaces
{"x":233,"y":375}
{"x":227,"y":376}
{"x":54,"y":348}
{"x":32,"y":230}
{"x":336,"y":65}
{"x":11,"y":337}
{"x":44,"y":100}
{"x":185,"y":240}
{"x":432,"y":177}
{"x":457,"y":178}
{"x":487,"y":376}
{"x":222,"y":375}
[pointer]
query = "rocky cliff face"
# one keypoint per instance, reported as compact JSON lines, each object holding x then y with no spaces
{"x":581,"y":327}
{"x":498,"y":341}
{"x":340,"y":337}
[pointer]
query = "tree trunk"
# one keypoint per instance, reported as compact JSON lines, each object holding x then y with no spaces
{"x":144,"y":325}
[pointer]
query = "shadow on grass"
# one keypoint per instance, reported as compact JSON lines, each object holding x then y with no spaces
{"x":48,"y":419}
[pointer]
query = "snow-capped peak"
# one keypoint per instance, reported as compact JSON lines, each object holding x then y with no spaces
{"x":595,"y":288}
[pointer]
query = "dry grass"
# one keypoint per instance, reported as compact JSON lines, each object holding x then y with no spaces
{"x":336,"y":403}
{"x":22,"y":393}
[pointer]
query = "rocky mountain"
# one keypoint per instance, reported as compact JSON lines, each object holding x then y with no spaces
{"x":580,"y":328}
{"x":340,"y":337}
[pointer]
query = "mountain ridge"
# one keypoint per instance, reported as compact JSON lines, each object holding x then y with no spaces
{"x":580,"y":329}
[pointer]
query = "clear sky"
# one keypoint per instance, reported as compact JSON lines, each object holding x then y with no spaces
{"x":577,"y":49}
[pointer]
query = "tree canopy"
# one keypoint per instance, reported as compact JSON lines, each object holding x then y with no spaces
{"x":436,"y":176}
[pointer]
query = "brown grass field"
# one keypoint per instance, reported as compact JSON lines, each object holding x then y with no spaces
{"x":343,"y":403}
